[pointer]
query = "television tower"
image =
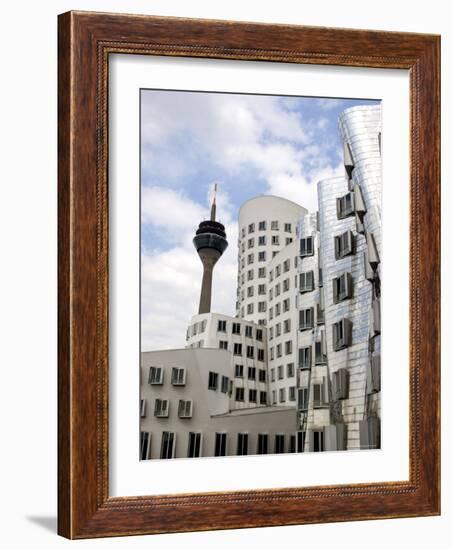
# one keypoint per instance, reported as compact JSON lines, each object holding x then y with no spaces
{"x":210,"y":243}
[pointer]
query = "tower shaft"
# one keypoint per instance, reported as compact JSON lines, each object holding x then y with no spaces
{"x":209,"y":258}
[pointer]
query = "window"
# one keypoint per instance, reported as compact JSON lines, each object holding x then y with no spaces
{"x":239,"y":371}
{"x":251,"y":228}
{"x":223,"y":344}
{"x":279,"y":443}
{"x":286,"y":285}
{"x":145,"y":447}
{"x":250,"y":291}
{"x":249,"y":309}
{"x":320,"y":351}
{"x":224,"y":384}
{"x":280,"y":372}
{"x":320,"y":314}
{"x":292,"y":444}
{"x":262,"y":444}
{"x":343,"y":245}
{"x":288,"y":227}
{"x":304,"y":358}
{"x":235,"y":328}
{"x":288,"y":347}
{"x":194,"y":444}
{"x":168,"y":446}
{"x":178,"y":376}
{"x":237,"y":349}
{"x":251,"y":373}
{"x":319,"y":394}
{"x":373,"y":380}
{"x":287,"y":325}
{"x":221,"y":326}
{"x":278,"y":270}
{"x":282,"y":395}
{"x":277,"y":309}
{"x":250,"y":275}
{"x":369,"y":433}
{"x":262,"y":375}
{"x":274,"y":226}
{"x":248,"y":331}
{"x":185,"y":409}
{"x":278,"y":350}
{"x":155,"y":376}
{"x":317,"y":441}
{"x":239,"y":394}
{"x":261,"y":307}
{"x":261,"y":289}
{"x":290,"y":370}
{"x":340,"y":384}
{"x":348,"y":160}
{"x":272,"y":353}
{"x":261,"y":256}
{"x":243,"y":232}
{"x":275,"y":240}
{"x":161,"y":408}
{"x":250,"y":259}
{"x":288,"y":240}
{"x":250,"y":352}
{"x":260,"y":354}
{"x":274,"y":397}
{"x":376,"y":324}
{"x":213,"y":380}
{"x":360,"y":207}
{"x":262,"y":226}
{"x":301,"y":439}
{"x":261,"y":273}
{"x":252,"y":396}
{"x":342,"y":334}
{"x":270,"y":275}
{"x":292,"y":393}
{"x":143,"y":408}
{"x":345,"y":206}
{"x":306,"y":282}
{"x":303,"y":399}
{"x":242,"y":444}
{"x":277,"y":289}
{"x":342,"y":287}
{"x":263,"y":397}
{"x":270,"y":294}
{"x":286,"y":305}
{"x":259,"y":334}
{"x":261,"y":240}
{"x":272,"y":374}
{"x":220,"y":444}
{"x":250,"y":243}
{"x":278,"y":329}
{"x":306,"y":247}
{"x":372,"y":252}
{"x":306,"y":318}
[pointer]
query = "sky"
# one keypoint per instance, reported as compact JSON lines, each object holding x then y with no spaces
{"x":249,"y":145}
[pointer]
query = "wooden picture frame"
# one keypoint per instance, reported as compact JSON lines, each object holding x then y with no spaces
{"x":86,"y":40}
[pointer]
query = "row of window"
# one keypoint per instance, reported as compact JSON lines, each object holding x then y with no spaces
{"x":261,"y":274}
{"x":281,"y":268}
{"x":280,"y":307}
{"x":279,"y":372}
{"x":262,"y":226}
{"x":178,"y":376}
{"x":275,"y":331}
{"x":214,"y":382}
{"x":305,"y":354}
{"x":162,"y":408}
{"x":277,"y":351}
{"x":239,"y":349}
{"x":251,"y":372}
{"x":278,"y":288}
{"x":252,"y":396}
{"x":262,"y":241}
{"x":197,"y":328}
{"x":236,"y":328}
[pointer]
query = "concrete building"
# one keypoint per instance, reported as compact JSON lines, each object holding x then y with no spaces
{"x":298,"y":368}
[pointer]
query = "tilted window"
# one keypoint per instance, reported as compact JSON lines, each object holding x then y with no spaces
{"x":306,"y":281}
{"x":306,"y":318}
{"x":342,"y":287}
{"x":340,"y":384}
{"x":155,"y":375}
{"x":306,"y":247}
{"x":373,"y":375}
{"x":304,"y":358}
{"x":343,"y":245}
{"x":345,"y":206}
{"x":185,"y":409}
{"x":342,"y":334}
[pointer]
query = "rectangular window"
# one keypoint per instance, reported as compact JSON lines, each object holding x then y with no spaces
{"x":306,"y":282}
{"x":301,"y":439}
{"x":342,"y":334}
{"x":343,"y":245}
{"x":277,"y":309}
{"x":239,"y":394}
{"x":376,"y":317}
{"x":250,"y":243}
{"x":280,"y":372}
{"x":319,"y":392}
{"x":275,"y":240}
{"x":306,"y":247}
{"x":213,"y":380}
{"x":282,"y":395}
{"x":288,"y":347}
{"x":250,"y":259}
{"x":318,"y":444}
{"x":252,"y":396}
{"x":340,"y":383}
{"x":261,"y":272}
{"x":286,"y":305}
{"x":261,"y":289}
{"x":155,"y":376}
{"x":286,"y":285}
{"x":248,"y":331}
{"x":345,"y":206}
{"x":235,"y":328}
{"x":292,"y":444}
{"x":263,"y":397}
{"x":242,"y":444}
{"x":272,"y":374}
{"x":249,"y":309}
{"x":288,"y":240}
{"x":220,"y":444}
{"x":303,"y":399}
{"x":304,"y":358}
{"x":262,"y":226}
{"x":178,"y":376}
{"x":288,"y":227}
{"x":262,"y":307}
{"x":239,"y":371}
{"x":320,"y":350}
{"x":224,"y":384}
{"x":251,"y":373}
{"x":145,"y":445}
{"x":185,"y":409}
{"x":250,"y":291}
{"x":237,"y":349}
{"x":221,"y":326}
{"x":342,"y":287}
{"x":278,"y":350}
{"x":262,"y":444}
{"x":306,"y":318}
{"x":277,"y":289}
{"x":251,"y":228}
{"x":373,"y":377}
{"x":250,"y":352}
{"x":277,"y":270}
{"x":194,"y":444}
{"x":286,"y":265}
{"x":261,"y":240}
{"x":262,"y":256}
{"x":274,"y":397}
{"x":161,"y":408}
{"x":274,"y":226}
{"x":260,"y":354}
{"x":279,"y":443}
{"x":143,"y":408}
{"x":290,"y":370}
{"x":223,"y":344}
{"x":262,"y":375}
{"x":168,"y":446}
{"x":292,"y":393}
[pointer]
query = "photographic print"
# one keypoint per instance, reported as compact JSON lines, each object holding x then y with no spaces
{"x":260,"y":274}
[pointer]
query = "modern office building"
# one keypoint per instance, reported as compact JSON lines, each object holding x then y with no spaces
{"x":298,"y":367}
